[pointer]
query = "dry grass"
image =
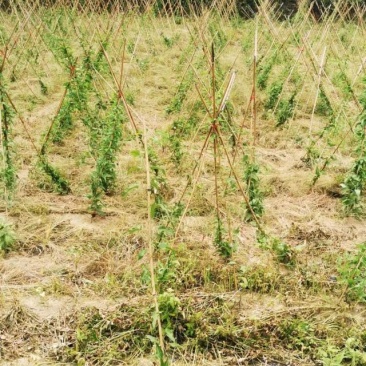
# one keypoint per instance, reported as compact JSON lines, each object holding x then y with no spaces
{"x":74,"y":287}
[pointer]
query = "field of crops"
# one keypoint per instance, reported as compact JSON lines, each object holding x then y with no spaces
{"x":182,"y":190}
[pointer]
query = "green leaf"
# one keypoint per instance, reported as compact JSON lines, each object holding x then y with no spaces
{"x":169,"y":334}
{"x":155,"y":318}
{"x":141,"y":254}
{"x":130,"y":188}
{"x":152,"y":339}
{"x":135,"y":153}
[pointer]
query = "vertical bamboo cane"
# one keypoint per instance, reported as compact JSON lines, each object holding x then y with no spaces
{"x":254,"y":97}
{"x":321,"y":67}
{"x":150,"y":244}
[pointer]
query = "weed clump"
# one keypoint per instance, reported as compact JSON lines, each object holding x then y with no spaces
{"x":282,"y":251}
{"x":285,"y":110}
{"x":7,"y":173}
{"x":274,"y":93}
{"x":60,"y":183}
{"x":254,"y":192}
{"x":224,"y":246}
{"x":7,"y":237}
{"x":355,"y":182}
{"x":176,"y":104}
{"x":352,"y":271}
{"x":264,"y":72}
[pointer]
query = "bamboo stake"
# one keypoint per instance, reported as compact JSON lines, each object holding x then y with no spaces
{"x":254,"y":98}
{"x":321,"y":67}
{"x":3,"y":153}
{"x":150,"y":244}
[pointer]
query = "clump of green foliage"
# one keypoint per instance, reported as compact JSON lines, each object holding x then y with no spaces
{"x":112,"y":135}
{"x":285,"y":110}
{"x":63,"y":54}
{"x":352,"y":188}
{"x":78,"y":89}
{"x":181,"y":128}
{"x":217,"y":34}
{"x":6,"y":117}
{"x":176,"y":104}
{"x":79,"y":86}
{"x":264,"y":71}
{"x":175,"y":140}
{"x":342,"y":81}
{"x":223,"y":245}
{"x":312,"y":154}
{"x":282,"y":251}
{"x":170,"y":312}
{"x":355,"y":182}
{"x":324,"y":107}
{"x":159,"y":208}
{"x":105,"y":140}
{"x":352,"y":272}
{"x":60,"y":183}
{"x":255,"y":194}
{"x":274,"y":92}
{"x":7,"y":237}
{"x":43,"y":87}
{"x":169,"y":42}
{"x":350,"y":353}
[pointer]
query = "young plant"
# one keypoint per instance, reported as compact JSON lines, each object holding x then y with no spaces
{"x":78,"y":88}
{"x":159,"y":208}
{"x":176,"y":148}
{"x":170,"y":312}
{"x":167,"y":41}
{"x":96,"y":195}
{"x":285,"y":110}
{"x":353,"y":186}
{"x":355,"y":182}
{"x":7,"y":237}
{"x":255,"y":195}
{"x":105,"y":140}
{"x":110,"y":143}
{"x":351,"y":353}
{"x":176,"y":104}
{"x":61,"y":184}
{"x":43,"y":86}
{"x":341,"y":80}
{"x":6,"y":119}
{"x":312,"y":155}
{"x":218,"y":36}
{"x":224,"y":246}
{"x":264,"y":71}
{"x":274,"y":93}
{"x":352,"y":272}
{"x":282,"y":251}
{"x":8,"y":171}
{"x":63,"y":121}
{"x":181,"y":129}
{"x":324,"y":107}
